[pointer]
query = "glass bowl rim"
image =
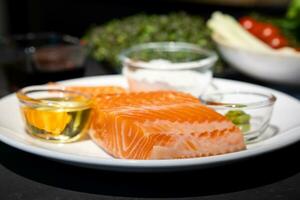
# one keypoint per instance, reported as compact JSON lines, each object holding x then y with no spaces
{"x":269,"y":101}
{"x":23,"y":97}
{"x":171,"y":46}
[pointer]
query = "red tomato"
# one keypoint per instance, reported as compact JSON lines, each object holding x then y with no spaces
{"x":247,"y":22}
{"x":269,"y":31}
{"x":257,"y":30}
{"x":266,"y":32}
{"x":253,"y":26}
{"x":277,"y":42}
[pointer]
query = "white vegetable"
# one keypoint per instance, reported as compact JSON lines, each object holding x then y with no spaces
{"x":233,"y":33}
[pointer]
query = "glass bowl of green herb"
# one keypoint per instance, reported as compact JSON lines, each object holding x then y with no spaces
{"x":168,"y":66}
{"x":250,"y":111}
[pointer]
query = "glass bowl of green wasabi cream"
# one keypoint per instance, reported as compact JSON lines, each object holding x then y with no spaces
{"x":250,"y":111}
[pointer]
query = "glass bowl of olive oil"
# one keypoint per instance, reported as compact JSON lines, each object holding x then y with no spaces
{"x":54,"y":114}
{"x":250,"y":111}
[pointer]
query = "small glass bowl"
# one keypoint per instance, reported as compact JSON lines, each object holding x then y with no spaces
{"x":168,"y":66}
{"x":38,"y":58}
{"x":250,"y":111}
{"x":54,"y":114}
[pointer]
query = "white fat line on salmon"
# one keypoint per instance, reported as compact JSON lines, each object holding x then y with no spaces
{"x":131,"y":133}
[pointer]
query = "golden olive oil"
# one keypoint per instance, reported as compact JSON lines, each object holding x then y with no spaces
{"x":60,"y":120}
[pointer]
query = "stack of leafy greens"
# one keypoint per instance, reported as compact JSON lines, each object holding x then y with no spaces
{"x":108,"y":40}
{"x":290,"y":24}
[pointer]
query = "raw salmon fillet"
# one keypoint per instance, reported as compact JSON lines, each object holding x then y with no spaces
{"x":161,"y":125}
{"x":92,"y":90}
{"x":140,"y":99}
{"x":96,"y":90}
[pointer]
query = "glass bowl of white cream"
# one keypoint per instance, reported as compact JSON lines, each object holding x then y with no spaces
{"x":168,"y":66}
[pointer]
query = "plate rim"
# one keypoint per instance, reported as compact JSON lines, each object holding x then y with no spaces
{"x":154,"y":164}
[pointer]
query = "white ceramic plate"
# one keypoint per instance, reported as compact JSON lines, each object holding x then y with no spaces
{"x":85,"y":153}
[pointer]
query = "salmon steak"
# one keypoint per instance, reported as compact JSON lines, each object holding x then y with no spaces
{"x":96,"y":90}
{"x":92,"y":90}
{"x":161,"y":125}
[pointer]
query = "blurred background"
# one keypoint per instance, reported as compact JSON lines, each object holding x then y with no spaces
{"x":84,"y":19}
{"x":75,"y":17}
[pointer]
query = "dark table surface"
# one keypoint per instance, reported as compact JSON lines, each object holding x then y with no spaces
{"x":273,"y":176}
